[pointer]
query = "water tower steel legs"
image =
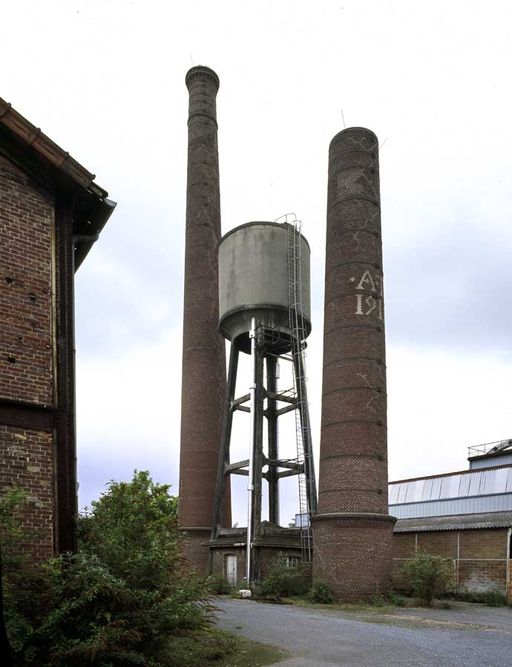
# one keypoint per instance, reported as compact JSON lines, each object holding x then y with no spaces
{"x":256,"y":467}
{"x":271,"y":414}
{"x":220,"y":519}
{"x":264,"y":363}
{"x":303,"y":406}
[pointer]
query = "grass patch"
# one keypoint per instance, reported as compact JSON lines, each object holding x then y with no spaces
{"x":379,"y":605}
{"x":248,"y":653}
{"x":339,"y":606}
{"x":217,"y":648}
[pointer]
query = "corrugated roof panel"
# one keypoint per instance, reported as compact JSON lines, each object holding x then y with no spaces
{"x":393,"y":493}
{"x":509,"y":480}
{"x":456,"y":522}
{"x":472,"y":484}
{"x":464,"y":485}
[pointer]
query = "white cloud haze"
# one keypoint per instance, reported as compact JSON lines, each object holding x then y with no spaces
{"x":105,"y":80}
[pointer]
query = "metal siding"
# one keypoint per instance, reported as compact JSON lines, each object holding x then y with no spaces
{"x":509,"y":481}
{"x":472,"y":505}
{"x":486,"y":462}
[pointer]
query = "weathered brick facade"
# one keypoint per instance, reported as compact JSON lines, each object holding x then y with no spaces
{"x":481,"y":557}
{"x":26,"y":300}
{"x":27,"y":463}
{"x":352,"y":531}
{"x":266,"y":557}
{"x":204,"y":362}
{"x":50,"y":214}
{"x":27,"y":345}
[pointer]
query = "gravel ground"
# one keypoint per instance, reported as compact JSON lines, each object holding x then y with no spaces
{"x":468,"y":635}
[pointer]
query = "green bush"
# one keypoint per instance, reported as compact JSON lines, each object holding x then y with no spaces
{"x":495,"y":598}
{"x":319,"y":593}
{"x":395,"y":599}
{"x":123,"y":600}
{"x":218,"y":585}
{"x":492,"y":598}
{"x":428,"y":576}
{"x":378,"y":600}
{"x":283,"y":580}
{"x":11,"y":505}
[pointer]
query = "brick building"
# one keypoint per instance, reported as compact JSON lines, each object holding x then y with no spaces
{"x":465,"y":516}
{"x":51,"y":212}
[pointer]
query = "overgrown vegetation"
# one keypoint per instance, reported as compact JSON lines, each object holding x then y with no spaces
{"x":218,"y":585}
{"x":319,"y":593}
{"x":428,"y":576}
{"x":283,"y":580}
{"x":123,"y":599}
{"x":492,"y":598}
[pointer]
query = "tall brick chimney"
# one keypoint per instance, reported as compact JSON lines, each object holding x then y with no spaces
{"x":204,"y":367}
{"x":352,"y":530}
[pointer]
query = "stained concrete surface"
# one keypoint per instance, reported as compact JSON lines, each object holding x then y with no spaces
{"x":466,"y":635}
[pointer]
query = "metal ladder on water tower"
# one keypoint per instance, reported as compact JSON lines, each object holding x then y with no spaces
{"x":302,"y":426}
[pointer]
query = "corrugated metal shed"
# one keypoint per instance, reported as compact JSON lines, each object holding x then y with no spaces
{"x":468,"y":492}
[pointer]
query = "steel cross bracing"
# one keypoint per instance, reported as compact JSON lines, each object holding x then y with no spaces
{"x":307,"y":482}
{"x":270,"y":345}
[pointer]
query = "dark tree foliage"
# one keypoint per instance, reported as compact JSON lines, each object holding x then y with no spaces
{"x":123,"y":600}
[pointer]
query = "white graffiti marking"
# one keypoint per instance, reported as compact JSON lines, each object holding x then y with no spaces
{"x":367,"y":304}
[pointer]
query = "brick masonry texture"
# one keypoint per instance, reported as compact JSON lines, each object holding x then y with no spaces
{"x":27,"y":463}
{"x":26,"y":337}
{"x":27,"y":348}
{"x":355,"y":557}
{"x":479,"y":556}
{"x":204,"y":368}
{"x":353,"y":553}
{"x":265,"y":558}
{"x":196,"y":550}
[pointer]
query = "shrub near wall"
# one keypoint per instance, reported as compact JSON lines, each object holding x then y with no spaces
{"x":122,"y":600}
{"x":284,"y":580}
{"x":428,"y":576}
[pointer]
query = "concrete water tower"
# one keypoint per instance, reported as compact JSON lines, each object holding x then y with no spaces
{"x":264,"y":311}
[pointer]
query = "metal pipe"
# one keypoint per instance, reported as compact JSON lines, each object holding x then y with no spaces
{"x":273,"y":485}
{"x":250,"y":485}
{"x":508,"y":584}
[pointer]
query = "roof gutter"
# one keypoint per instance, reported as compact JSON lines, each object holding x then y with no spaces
{"x":92,"y":208}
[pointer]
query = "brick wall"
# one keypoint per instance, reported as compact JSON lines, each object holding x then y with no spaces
{"x":352,"y":530}
{"x":265,"y":556}
{"x":27,"y":463}
{"x":355,"y":561}
{"x":195,"y":549}
{"x":219,"y":561}
{"x":27,"y":347}
{"x":26,"y":339}
{"x":204,"y":364}
{"x":439,"y":544}
{"x":479,"y":556}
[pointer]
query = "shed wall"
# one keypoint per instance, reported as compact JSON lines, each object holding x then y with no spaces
{"x":481,"y":557}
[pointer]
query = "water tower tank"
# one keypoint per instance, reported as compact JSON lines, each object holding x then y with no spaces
{"x":256,"y":269}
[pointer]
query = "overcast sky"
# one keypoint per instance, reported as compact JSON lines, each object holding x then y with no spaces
{"x":105,"y":80}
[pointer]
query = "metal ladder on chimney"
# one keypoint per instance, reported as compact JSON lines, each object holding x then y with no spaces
{"x":302,"y":427}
